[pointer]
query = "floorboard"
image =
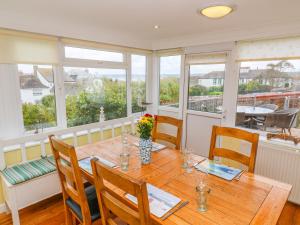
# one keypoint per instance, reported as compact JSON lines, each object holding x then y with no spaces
{"x":51,"y":212}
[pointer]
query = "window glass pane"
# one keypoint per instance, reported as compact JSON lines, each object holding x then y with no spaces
{"x":38,"y":97}
{"x":268,"y":95}
{"x":138,"y":84}
{"x":170,"y":69}
{"x":87,"y":89}
{"x":206,"y":84}
{"x":83,"y":53}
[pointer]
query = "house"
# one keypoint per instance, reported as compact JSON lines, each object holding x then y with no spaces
{"x":263,"y":76}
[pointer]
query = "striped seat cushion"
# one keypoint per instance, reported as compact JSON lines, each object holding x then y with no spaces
{"x":27,"y":171}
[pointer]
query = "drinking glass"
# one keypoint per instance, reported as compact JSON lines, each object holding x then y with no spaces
{"x":187,"y":160}
{"x":124,"y":161}
{"x":202,"y":190}
{"x":124,"y":137}
{"x":184,"y":154}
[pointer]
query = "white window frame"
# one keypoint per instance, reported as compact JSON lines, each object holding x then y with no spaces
{"x":187,"y":74}
{"x":166,"y":108}
{"x":58,"y":73}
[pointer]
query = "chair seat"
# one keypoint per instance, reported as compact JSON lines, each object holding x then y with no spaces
{"x":92,"y":201}
{"x":27,"y":171}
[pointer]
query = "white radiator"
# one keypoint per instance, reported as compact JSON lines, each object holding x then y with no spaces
{"x":281,"y":163}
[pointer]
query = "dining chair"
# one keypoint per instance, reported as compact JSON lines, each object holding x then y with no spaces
{"x":156,"y":135}
{"x":112,"y":204}
{"x":80,"y":203}
{"x":252,"y":138}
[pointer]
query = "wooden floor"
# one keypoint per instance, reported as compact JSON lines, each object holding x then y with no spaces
{"x":51,"y":212}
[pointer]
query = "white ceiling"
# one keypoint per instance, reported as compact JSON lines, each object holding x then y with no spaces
{"x":130,"y":22}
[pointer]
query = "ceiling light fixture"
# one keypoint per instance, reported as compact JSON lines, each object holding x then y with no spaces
{"x":156,"y":26}
{"x":216,"y":11}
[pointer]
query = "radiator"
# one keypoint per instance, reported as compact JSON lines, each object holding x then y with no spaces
{"x":280,"y":163}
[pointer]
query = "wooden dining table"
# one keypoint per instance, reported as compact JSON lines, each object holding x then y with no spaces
{"x":252,"y":199}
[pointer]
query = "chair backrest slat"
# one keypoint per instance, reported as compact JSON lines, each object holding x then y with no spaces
{"x":70,"y":175}
{"x":166,"y":137}
{"x":252,"y":138}
{"x":109,"y":200}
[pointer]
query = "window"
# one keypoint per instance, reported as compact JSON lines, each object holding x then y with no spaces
{"x":269,"y":99}
{"x":206,"y":87}
{"x":38,"y":96}
{"x":88,"y":89}
{"x":170,"y":70}
{"x":91,"y":54}
{"x":138,"y":81}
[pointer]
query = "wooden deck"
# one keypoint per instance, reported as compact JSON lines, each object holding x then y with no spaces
{"x":51,"y":212}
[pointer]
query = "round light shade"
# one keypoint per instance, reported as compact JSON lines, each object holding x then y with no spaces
{"x":217,"y":11}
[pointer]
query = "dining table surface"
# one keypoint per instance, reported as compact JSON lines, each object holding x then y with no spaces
{"x":251,"y":199}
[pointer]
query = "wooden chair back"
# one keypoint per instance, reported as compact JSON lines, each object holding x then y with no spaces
{"x":231,"y":154}
{"x":109,"y":200}
{"x":166,"y":137}
{"x":70,"y":176}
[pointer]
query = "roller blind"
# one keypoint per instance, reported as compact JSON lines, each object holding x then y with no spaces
{"x":206,"y":58}
{"x":102,"y":46}
{"x":281,"y":48}
{"x":167,"y":52}
{"x":22,"y":47}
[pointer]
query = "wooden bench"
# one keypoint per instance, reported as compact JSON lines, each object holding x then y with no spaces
{"x":28,"y":183}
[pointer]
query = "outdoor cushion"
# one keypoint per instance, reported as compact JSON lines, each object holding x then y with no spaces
{"x":92,"y":201}
{"x":27,"y":171}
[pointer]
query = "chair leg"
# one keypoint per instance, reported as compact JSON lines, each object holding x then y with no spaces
{"x":69,"y":217}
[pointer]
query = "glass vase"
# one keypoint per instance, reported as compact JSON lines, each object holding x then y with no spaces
{"x":145,"y":147}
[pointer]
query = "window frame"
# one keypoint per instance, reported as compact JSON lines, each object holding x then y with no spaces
{"x":181,"y":81}
{"x":58,"y":72}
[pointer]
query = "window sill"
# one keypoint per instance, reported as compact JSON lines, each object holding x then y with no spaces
{"x":168,"y":109}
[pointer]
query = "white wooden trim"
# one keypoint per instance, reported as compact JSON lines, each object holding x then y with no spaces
{"x":128,"y":84}
{"x":23,"y":151}
{"x":205,"y":114}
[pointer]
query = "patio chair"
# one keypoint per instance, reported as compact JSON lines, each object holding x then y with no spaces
{"x":261,"y":119}
{"x":283,"y":119}
{"x":241,"y":120}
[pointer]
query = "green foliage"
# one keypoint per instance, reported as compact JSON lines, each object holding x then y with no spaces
{"x":216,"y":89}
{"x":198,"y":90}
{"x":253,"y":86}
{"x":84,"y":108}
{"x":169,"y":90}
{"x":40,"y":115}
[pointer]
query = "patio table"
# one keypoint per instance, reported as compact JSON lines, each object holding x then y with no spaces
{"x":254,"y":111}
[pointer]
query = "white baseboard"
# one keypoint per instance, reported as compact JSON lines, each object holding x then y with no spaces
{"x":3,"y":208}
